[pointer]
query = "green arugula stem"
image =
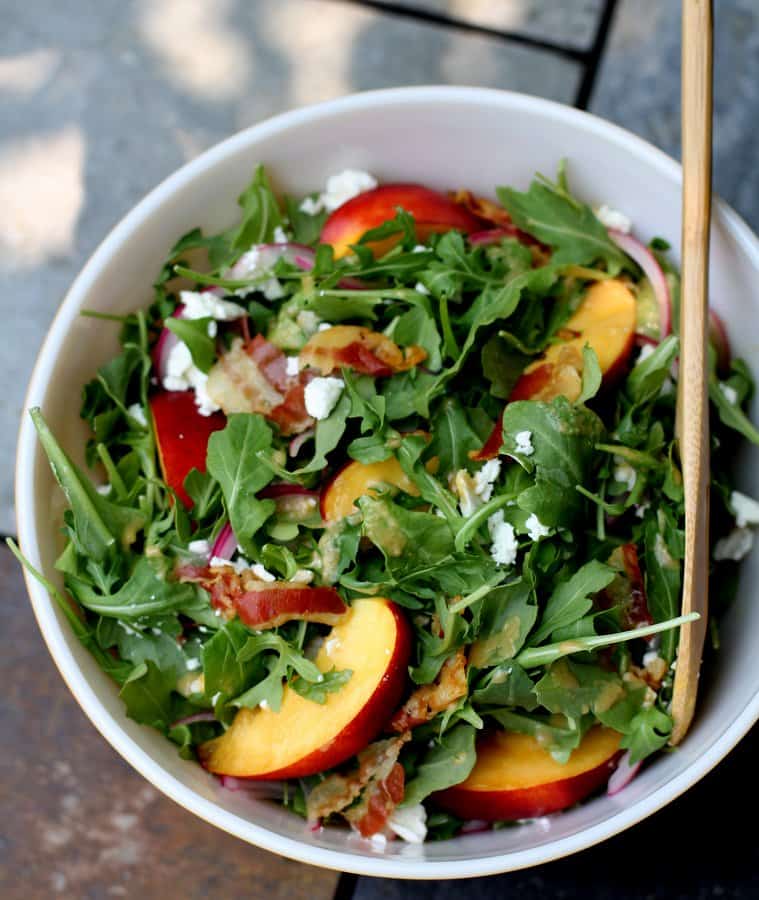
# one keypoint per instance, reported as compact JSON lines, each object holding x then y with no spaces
{"x":637,"y":457}
{"x":108,"y":317}
{"x":216,"y":280}
{"x":543,"y":656}
{"x":472,"y":525}
{"x":117,"y":482}
{"x":449,"y":340}
{"x":613,"y":509}
{"x":482,"y":591}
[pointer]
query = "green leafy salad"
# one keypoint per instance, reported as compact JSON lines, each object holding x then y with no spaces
{"x":384,"y":517}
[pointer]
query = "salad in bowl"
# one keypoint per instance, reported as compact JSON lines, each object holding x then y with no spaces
{"x":385,"y":516}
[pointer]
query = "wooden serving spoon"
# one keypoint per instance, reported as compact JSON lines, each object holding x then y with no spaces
{"x":692,"y":396}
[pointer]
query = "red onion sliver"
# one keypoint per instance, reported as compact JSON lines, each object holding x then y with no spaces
{"x":225,"y":544}
{"x":489,"y":236}
{"x":166,"y":342}
{"x":299,"y":440}
{"x":475,"y":826}
{"x":718,"y":337}
{"x":645,"y":340}
{"x":622,"y":775}
{"x":653,"y":271}
{"x":205,"y":716}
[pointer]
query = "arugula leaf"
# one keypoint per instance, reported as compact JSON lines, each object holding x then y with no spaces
{"x":591,"y":374}
{"x":649,"y":731}
{"x":571,"y":599}
{"x":452,"y":436}
{"x":329,"y":431}
{"x":548,"y":213}
{"x":306,"y":227}
{"x":234,"y":463}
{"x":449,"y":762}
{"x":505,"y":685}
{"x":224,"y":675}
{"x":502,"y":620}
{"x":407,"y":539}
{"x":663,"y":578}
{"x":260,"y":217}
{"x":558,"y":737}
{"x":147,"y":695}
{"x":417,"y":326}
{"x":194,"y":333}
{"x":317,"y":691}
{"x":574,"y":689}
{"x":645,"y":381}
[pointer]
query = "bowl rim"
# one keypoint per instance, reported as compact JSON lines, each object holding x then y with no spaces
{"x":52,"y":633}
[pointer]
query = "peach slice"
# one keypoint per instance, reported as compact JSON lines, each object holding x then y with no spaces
{"x":360,"y":349}
{"x":358,"y":479}
{"x":606,"y":320}
{"x":182,"y":436}
{"x":373,"y":640}
{"x":432,"y":211}
{"x":515,"y":778}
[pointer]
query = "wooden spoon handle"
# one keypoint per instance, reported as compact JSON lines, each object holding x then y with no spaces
{"x":692,"y":395}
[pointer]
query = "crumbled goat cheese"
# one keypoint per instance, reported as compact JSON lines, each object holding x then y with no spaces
{"x":625,"y":474}
{"x":264,"y":704}
{"x":736,"y":545}
{"x":292,"y":365}
{"x":378,"y":840}
{"x":241,"y":565}
{"x":182,"y":374}
{"x":613,"y":218}
{"x":465,"y":488}
{"x":746,"y":509}
{"x":303,"y":576}
{"x":505,"y":546}
{"x":103,"y":489}
{"x":523,"y":441}
{"x":193,"y":664}
{"x":419,"y":248}
{"x":535,"y":528}
{"x":321,"y":396}
{"x":641,"y":509}
{"x":205,"y":304}
{"x":249,"y":266}
{"x":485,"y":479}
{"x":201,"y":548}
{"x":260,"y":572}
{"x":421,"y":288}
{"x":645,"y":351}
{"x":409,"y":823}
{"x":729,"y":393}
{"x":340,"y":188}
{"x":324,"y":326}
{"x":215,"y":698}
{"x":279,"y":235}
{"x":137,"y":413}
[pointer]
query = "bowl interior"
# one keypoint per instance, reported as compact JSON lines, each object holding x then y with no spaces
{"x":444,"y":137}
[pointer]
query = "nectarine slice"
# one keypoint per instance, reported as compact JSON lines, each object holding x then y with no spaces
{"x":358,"y":479}
{"x":432,"y":211}
{"x":181,"y":436}
{"x":373,"y":640}
{"x":516,"y":778}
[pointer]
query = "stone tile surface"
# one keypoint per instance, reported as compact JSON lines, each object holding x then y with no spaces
{"x":99,"y":101}
{"x":571,"y":22}
{"x":639,"y":87}
{"x":77,"y":822}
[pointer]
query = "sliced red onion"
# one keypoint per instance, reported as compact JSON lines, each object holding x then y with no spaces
{"x":622,"y":775}
{"x":166,"y":342}
{"x":643,"y":340}
{"x":299,"y":440}
{"x":225,"y":544}
{"x":274,"y":491}
{"x":718,"y":337}
{"x":261,"y":790}
{"x":490,"y":236}
{"x":205,"y":716}
{"x":475,"y":826}
{"x":653,"y":271}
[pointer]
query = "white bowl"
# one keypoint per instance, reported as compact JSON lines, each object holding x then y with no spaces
{"x":444,"y":137}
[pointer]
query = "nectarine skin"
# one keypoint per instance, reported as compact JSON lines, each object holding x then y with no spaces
{"x":363,"y":727}
{"x":182,"y":436}
{"x":433,"y":212}
{"x":270,"y":605}
{"x":550,"y":793}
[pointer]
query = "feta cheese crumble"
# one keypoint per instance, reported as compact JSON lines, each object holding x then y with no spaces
{"x":523,"y":442}
{"x":321,"y":396}
{"x":340,"y":188}
{"x":201,"y":548}
{"x":485,"y":479}
{"x":241,"y":565}
{"x":182,"y":374}
{"x":251,"y":266}
{"x":103,"y":489}
{"x":746,"y":509}
{"x":205,"y":304}
{"x":625,"y":474}
{"x":535,"y":528}
{"x":736,"y":545}
{"x":729,"y":393}
{"x":421,"y":289}
{"x":409,"y":823}
{"x":303,"y":576}
{"x":138,"y":414}
{"x":279,"y":235}
{"x":613,"y":218}
{"x":505,"y":546}
{"x":292,"y":365}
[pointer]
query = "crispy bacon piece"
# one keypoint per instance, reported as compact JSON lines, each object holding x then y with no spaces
{"x":291,"y":415}
{"x":271,"y":361}
{"x":379,"y":781}
{"x":430,"y":699}
{"x":627,"y":591}
{"x":358,"y":348}
{"x":483,"y":208}
{"x":264,"y":604}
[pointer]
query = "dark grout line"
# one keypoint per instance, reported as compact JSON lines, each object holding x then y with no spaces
{"x":346,"y":886}
{"x":585,"y":90}
{"x":435,"y":18}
